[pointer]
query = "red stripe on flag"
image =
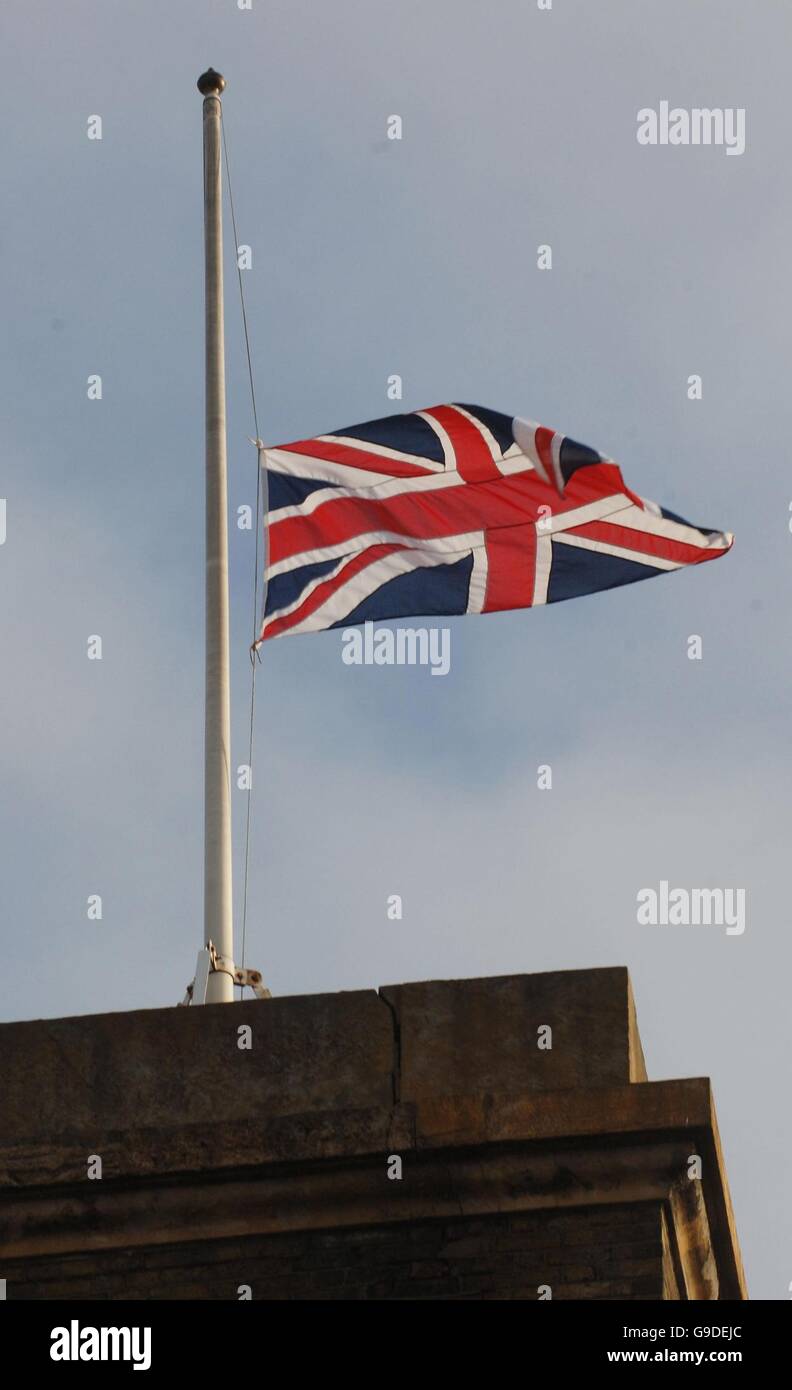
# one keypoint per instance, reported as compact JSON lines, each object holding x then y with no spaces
{"x":473,"y":458}
{"x":643,"y":542}
{"x":335,"y":452}
{"x":449,"y":511}
{"x":543,"y":440}
{"x":327,"y":588}
{"x":511,"y":568}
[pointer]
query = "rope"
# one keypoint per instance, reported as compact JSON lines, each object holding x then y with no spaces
{"x":259,"y":447}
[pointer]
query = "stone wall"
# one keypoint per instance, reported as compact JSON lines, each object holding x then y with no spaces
{"x":609,"y":1252}
{"x":256,"y":1144}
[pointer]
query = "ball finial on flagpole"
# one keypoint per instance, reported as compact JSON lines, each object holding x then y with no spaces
{"x":211,"y":83}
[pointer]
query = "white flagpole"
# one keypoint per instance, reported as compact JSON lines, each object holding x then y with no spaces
{"x":218,"y":920}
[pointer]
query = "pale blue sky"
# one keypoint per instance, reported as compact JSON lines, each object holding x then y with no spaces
{"x":418,"y":257}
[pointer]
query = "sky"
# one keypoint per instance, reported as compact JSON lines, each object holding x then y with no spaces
{"x":417,"y":257}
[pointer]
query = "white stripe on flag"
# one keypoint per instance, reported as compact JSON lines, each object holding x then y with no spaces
{"x":555,"y":451}
{"x":361,"y":586}
{"x":603,"y":508}
{"x":381,"y":488}
{"x":544,"y":560}
{"x":639,"y":557}
{"x":308,"y":590}
{"x":443,"y":546}
{"x":444,"y":437}
{"x":656,"y":525}
{"x":478,"y":577}
{"x":383,"y":451}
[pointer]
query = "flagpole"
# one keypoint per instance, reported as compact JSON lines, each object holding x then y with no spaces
{"x":218,"y":920}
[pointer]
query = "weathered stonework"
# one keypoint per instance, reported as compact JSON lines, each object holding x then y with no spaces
{"x":523,"y":1168}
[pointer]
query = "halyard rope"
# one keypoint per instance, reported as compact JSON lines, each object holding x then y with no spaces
{"x":259,"y":447}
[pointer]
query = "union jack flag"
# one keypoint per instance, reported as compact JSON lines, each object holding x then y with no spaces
{"x":455,"y":509}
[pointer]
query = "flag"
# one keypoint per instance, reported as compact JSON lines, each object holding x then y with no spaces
{"x":455,"y":509}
